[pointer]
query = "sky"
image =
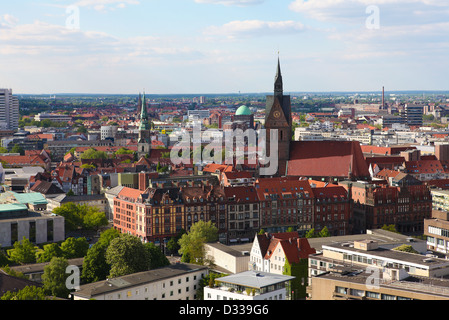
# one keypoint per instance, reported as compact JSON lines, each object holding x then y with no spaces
{"x":222,"y":46}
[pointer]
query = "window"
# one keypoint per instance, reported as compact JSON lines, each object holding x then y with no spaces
{"x":373,"y":295}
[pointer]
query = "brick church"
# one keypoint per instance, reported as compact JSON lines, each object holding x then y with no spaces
{"x":322,"y":160}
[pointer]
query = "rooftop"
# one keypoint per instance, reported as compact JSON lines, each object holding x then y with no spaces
{"x":110,"y":285}
{"x":255,"y":279}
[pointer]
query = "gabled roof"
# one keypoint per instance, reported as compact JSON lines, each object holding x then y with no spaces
{"x":13,"y":284}
{"x":327,"y":159}
{"x":424,"y":166}
{"x":46,"y":187}
{"x":294,"y":247}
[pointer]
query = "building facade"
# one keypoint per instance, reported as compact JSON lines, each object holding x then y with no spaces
{"x":9,"y":110}
{"x":175,"y":282}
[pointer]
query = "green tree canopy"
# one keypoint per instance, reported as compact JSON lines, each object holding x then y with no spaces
{"x":192,"y":243}
{"x":74,"y":248}
{"x":157,"y":258}
{"x":173,"y":244}
{"x":81,"y":216}
{"x":26,"y":294}
{"x":95,"y":267}
{"x":49,"y":251}
{"x":390,"y":227}
{"x":124,"y":151}
{"x":18,"y":149}
{"x":310,"y":233}
{"x":54,"y":278}
{"x":24,"y":252}
{"x":324,"y":233}
{"x":126,"y":254}
{"x":92,"y":153}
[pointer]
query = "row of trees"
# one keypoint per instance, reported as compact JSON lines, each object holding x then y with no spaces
{"x":25,"y":252}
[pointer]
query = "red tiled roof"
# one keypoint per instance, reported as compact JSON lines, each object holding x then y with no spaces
{"x":130,"y":193}
{"x":241,"y":194}
{"x":282,"y":187}
{"x":330,"y":192}
{"x":424,"y":166}
{"x":327,"y":159}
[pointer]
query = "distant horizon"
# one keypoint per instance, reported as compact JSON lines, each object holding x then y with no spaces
{"x":416,"y":91}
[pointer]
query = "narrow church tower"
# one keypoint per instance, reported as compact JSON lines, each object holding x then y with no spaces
{"x":144,"y":143}
{"x":278,"y":115}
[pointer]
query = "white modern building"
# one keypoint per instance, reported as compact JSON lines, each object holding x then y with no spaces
{"x":9,"y":110}
{"x":108,"y":132}
{"x":175,"y":282}
{"x":53,"y":117}
{"x":250,"y":285}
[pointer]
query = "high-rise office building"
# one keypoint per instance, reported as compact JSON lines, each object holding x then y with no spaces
{"x":9,"y":110}
{"x":414,"y":114}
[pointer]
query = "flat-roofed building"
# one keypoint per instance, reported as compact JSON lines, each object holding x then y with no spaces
{"x":359,"y":285}
{"x":250,"y":285}
{"x":227,"y":259}
{"x":363,"y":258}
{"x":437,"y":231}
{"x":38,"y":228}
{"x":175,"y":282}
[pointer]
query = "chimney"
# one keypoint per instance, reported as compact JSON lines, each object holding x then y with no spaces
{"x":383,"y":97}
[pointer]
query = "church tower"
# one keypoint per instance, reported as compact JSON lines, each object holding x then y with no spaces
{"x":144,"y":143}
{"x":278,"y":115}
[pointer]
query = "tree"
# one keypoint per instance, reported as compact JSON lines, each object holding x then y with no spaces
{"x":81,"y":216}
{"x":4,"y":261}
{"x":192,"y":243}
{"x":126,"y":254}
{"x":74,"y":248}
{"x":18,"y":149}
{"x":390,"y":227}
{"x":94,"y":219}
{"x":72,"y":215}
{"x":95,"y":267}
{"x":28,"y":293}
{"x":324,"y":233}
{"x":54,"y":278}
{"x":92,"y":153}
{"x":173,"y":245}
{"x":24,"y":252}
{"x":124,"y":151}
{"x":157,"y":258}
{"x":208,"y":280}
{"x":310,"y":234}
{"x":50,"y":250}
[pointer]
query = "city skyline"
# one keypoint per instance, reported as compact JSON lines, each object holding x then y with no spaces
{"x":222,"y":46}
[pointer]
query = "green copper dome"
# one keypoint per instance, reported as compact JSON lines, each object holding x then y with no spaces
{"x":243,"y":111}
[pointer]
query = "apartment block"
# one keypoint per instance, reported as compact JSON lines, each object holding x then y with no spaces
{"x":250,"y":285}
{"x":175,"y":282}
{"x":361,"y":265}
{"x":9,"y":110}
{"x":436,"y":229}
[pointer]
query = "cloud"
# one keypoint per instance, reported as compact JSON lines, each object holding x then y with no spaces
{"x":240,"y":3}
{"x":7,"y":21}
{"x":250,"y":28}
{"x":391,"y":11}
{"x":102,"y":5}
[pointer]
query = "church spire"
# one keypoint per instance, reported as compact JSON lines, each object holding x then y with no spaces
{"x":144,"y":125}
{"x":278,"y":85}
